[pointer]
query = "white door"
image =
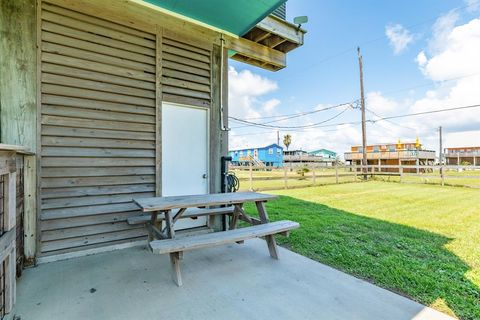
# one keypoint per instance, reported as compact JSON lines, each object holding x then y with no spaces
{"x":184,"y":155}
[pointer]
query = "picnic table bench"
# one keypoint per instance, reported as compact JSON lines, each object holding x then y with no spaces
{"x":170,"y":209}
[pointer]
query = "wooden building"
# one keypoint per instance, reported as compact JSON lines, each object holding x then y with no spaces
{"x":115,"y":98}
{"x":392,"y":154}
{"x":462,"y":155}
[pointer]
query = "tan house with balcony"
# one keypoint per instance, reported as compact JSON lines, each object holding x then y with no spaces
{"x":393,"y":154}
{"x":462,"y":155}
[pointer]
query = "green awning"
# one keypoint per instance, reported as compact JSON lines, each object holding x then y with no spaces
{"x":234,"y":16}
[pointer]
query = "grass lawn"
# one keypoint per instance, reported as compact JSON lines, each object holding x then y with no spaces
{"x":422,"y":241}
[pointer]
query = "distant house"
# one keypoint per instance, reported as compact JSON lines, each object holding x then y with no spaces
{"x":270,"y":156}
{"x":457,"y":156}
{"x":324,"y":153}
{"x":392,"y":154}
{"x":320,"y":157}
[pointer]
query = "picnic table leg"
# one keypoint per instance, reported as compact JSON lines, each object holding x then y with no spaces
{"x":272,"y":244}
{"x":236,"y":212}
{"x":169,"y":224}
{"x":176,"y":273}
{"x":153,"y":222}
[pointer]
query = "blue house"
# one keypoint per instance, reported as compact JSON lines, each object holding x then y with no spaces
{"x":324,"y":153}
{"x":270,"y":156}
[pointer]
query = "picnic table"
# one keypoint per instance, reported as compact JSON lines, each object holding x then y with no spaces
{"x":170,"y":209}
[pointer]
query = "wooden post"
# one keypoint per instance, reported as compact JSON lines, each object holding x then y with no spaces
{"x":30,"y":208}
{"x":400,"y":168}
{"x":285,"y":177}
{"x":336,"y":172}
{"x":442,"y":174}
{"x":314,"y":176}
{"x":355,"y":171}
{"x":250,"y":177}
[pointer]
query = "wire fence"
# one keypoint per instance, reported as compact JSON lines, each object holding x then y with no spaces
{"x":260,"y":178}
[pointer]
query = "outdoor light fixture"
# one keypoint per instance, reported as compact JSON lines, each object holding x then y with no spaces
{"x":299,"y":21}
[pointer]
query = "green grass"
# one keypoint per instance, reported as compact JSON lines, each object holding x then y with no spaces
{"x":422,"y":241}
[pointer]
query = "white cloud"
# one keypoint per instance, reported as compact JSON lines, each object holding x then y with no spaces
{"x":270,"y":105}
{"x":376,"y":102}
{"x":245,"y":89}
{"x":399,"y":37}
{"x":421,"y":59}
{"x":472,"y":5}
{"x":441,"y":30}
{"x":459,"y":56}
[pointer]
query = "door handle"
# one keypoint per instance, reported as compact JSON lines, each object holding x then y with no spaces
{"x":205,"y":176}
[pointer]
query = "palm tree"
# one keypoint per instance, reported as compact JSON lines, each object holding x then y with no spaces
{"x":287,"y":140}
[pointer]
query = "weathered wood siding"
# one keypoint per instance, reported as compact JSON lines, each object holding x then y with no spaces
{"x":98,"y":128}
{"x":18,"y":112}
{"x":186,"y":71}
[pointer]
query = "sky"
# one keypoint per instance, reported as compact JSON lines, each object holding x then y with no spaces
{"x":418,"y":56}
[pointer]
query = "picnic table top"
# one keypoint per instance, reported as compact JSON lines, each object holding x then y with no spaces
{"x":199,"y":200}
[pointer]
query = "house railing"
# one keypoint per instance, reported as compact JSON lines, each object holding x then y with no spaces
{"x":388,"y":155}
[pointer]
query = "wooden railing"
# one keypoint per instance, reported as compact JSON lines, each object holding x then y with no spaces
{"x":261,"y":178}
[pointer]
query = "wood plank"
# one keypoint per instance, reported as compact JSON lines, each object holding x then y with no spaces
{"x":200,"y":200}
{"x":96,"y":57}
{"x":96,"y":124}
{"x":18,"y":73}
{"x":96,"y":105}
{"x":192,"y":46}
{"x":93,"y":38}
{"x":60,"y":131}
{"x":257,"y":51}
{"x":98,"y":48}
{"x":172,"y":73}
{"x":189,"y":213}
{"x":60,"y":213}
{"x":96,"y":66}
{"x":97,"y":76}
{"x":96,"y":172}
{"x":92,"y":200}
{"x":95,"y":114}
{"x":96,"y":85}
{"x":186,"y":84}
{"x":186,"y":61}
{"x":54,"y":193}
{"x":92,"y":239}
{"x":30,"y":207}
{"x":96,"y":95}
{"x":203,"y":103}
{"x":96,"y":29}
{"x":222,"y":237}
{"x":94,"y":181}
{"x":97,"y":21}
{"x":97,"y":162}
{"x":158,"y":113}
{"x":185,"y":92}
{"x":94,"y":142}
{"x":185,"y":53}
{"x":172,"y":66}
{"x":59,"y":234}
{"x":86,"y":220}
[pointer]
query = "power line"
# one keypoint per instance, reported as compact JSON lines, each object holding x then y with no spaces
{"x":290,"y":127}
{"x":397,"y":124}
{"x":388,"y":118}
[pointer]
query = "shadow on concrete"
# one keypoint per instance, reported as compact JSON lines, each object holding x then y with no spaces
{"x":403,"y":259}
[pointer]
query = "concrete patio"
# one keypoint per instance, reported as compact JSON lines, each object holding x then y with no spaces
{"x":229,"y":282}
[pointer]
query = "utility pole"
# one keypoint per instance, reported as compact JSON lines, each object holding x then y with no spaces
{"x":278,"y":137}
{"x":364,"y":124}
